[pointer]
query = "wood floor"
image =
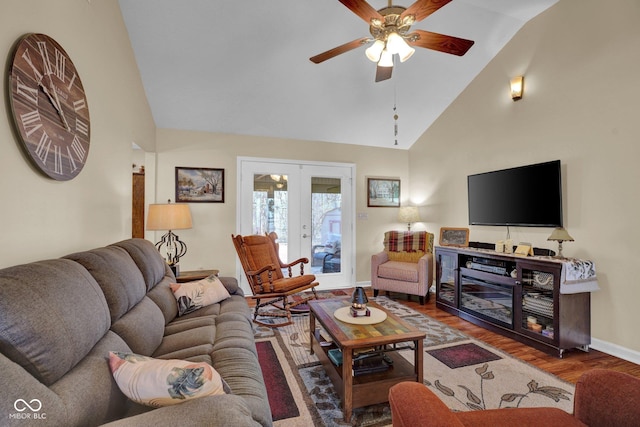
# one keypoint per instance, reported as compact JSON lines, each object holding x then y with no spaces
{"x":569,"y":368}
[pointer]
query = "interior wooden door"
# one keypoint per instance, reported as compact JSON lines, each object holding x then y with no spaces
{"x":137,"y":206}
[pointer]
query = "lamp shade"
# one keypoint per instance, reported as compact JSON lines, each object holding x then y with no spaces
{"x":560,"y":235}
{"x":408,"y":214}
{"x":374,"y":51}
{"x":386,"y":59}
{"x":169,"y":216}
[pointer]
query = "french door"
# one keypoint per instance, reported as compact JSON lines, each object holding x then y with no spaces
{"x":311,"y":208}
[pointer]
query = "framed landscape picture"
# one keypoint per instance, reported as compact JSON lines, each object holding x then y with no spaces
{"x":454,"y":237}
{"x":199,"y":185}
{"x":383,"y":192}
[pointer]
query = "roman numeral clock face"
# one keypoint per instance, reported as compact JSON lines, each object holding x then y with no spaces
{"x":49,"y":107}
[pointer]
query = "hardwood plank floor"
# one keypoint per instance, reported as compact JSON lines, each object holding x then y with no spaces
{"x":569,"y":368}
{"x":573,"y":364}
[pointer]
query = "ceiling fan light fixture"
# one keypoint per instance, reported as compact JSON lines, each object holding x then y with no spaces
{"x":395,"y":43}
{"x":374,"y":51}
{"x":386,"y":59}
{"x":406,"y":52}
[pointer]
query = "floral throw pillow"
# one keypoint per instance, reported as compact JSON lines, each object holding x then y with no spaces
{"x":200,"y":293}
{"x":158,"y":382}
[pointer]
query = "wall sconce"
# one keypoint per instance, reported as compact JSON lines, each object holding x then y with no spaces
{"x":517,"y":87}
{"x":176,"y":216}
{"x":408,"y":214}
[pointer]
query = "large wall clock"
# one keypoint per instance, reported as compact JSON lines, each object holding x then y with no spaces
{"x":49,"y":107}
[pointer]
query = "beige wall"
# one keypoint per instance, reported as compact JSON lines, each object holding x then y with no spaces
{"x":209,"y":241}
{"x":42,"y":218}
{"x":580,"y":106}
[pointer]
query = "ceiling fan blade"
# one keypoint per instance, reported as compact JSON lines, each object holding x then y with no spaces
{"x":423,"y":8}
{"x":363,"y":9}
{"x":338,"y":50}
{"x":442,"y":43}
{"x":383,"y":73}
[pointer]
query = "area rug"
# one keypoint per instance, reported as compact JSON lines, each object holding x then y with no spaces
{"x":465,"y":373}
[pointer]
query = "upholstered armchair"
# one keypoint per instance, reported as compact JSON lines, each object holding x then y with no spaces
{"x":603,"y":398}
{"x":405,"y":265}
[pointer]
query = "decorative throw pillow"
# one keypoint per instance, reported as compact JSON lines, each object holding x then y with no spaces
{"x":157,"y":382}
{"x":405,"y":256}
{"x":194,"y":295}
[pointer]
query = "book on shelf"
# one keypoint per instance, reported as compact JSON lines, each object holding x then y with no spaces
{"x":363,"y":364}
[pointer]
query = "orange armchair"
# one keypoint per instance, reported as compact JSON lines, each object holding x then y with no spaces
{"x":602,"y":398}
{"x":405,"y":265}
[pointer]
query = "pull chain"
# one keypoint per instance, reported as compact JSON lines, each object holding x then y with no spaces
{"x":395,"y":125}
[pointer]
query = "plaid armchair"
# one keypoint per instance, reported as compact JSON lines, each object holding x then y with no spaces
{"x":405,"y":265}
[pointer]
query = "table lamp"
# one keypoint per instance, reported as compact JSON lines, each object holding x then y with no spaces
{"x":408,"y":214}
{"x":170,"y":216}
{"x":560,"y":235}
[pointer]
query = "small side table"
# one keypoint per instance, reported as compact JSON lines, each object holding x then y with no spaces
{"x":189,"y":276}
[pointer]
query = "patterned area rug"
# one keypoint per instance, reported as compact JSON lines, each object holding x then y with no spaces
{"x":465,"y":373}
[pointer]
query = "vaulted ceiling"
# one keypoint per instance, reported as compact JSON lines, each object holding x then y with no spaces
{"x":242,"y":67}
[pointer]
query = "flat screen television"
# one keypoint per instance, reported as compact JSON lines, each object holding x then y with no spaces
{"x":529,"y":196}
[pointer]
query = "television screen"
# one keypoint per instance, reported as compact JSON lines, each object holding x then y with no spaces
{"x":528,"y":196}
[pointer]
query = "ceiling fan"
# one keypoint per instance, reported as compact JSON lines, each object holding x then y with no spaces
{"x":390,"y":29}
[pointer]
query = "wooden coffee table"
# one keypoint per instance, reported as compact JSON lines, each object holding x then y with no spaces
{"x":389,"y":336}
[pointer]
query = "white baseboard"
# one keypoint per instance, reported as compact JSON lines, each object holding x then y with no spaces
{"x":616,"y":350}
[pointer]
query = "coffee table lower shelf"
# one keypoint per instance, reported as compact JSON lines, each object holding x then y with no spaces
{"x":367,"y":389}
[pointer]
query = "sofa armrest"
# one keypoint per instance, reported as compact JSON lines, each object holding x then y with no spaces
{"x":231,"y":284}
{"x":413,"y":404}
{"x":376,"y":260}
{"x":606,"y":397}
{"x":226,"y":410}
{"x":425,"y":270}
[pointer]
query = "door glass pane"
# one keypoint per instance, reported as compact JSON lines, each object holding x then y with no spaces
{"x":270,"y":208}
{"x":326,"y":225}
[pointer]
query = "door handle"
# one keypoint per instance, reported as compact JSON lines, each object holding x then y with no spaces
{"x":305,"y":235}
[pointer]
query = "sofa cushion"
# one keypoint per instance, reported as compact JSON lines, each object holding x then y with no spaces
{"x":184,"y":344}
{"x":142,"y":328}
{"x":197,"y":294}
{"x":156,"y":382}
{"x":52,"y":314}
{"x":118,"y":276}
{"x":151,"y":264}
{"x":397,"y":270}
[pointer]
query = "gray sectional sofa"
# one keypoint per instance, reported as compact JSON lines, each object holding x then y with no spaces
{"x":60,"y":318}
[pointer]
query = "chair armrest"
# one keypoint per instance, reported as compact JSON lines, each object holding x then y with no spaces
{"x":425,"y":269}
{"x":301,"y":261}
{"x":254,"y":273}
{"x":606,"y":397}
{"x":376,"y":260}
{"x":413,"y":404}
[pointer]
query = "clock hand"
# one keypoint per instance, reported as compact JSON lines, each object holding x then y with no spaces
{"x":54,"y":101}
{"x":60,"y":111}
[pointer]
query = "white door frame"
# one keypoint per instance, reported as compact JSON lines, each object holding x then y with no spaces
{"x":349,"y":211}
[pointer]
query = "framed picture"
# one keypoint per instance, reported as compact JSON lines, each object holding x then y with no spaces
{"x":383,"y":192}
{"x":199,"y":185}
{"x":454,"y":237}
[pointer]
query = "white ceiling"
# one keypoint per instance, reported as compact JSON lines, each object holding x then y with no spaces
{"x":242,"y":67}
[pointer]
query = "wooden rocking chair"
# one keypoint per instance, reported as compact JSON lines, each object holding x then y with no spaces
{"x":263,"y":268}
